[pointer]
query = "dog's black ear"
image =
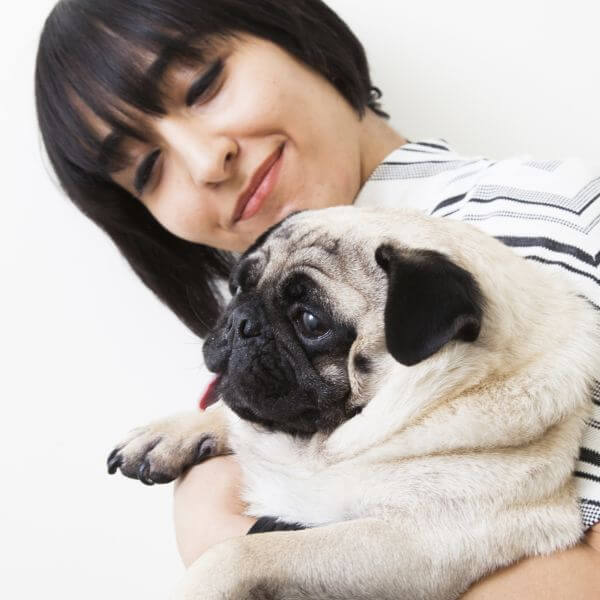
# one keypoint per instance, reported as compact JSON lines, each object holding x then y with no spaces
{"x":430,"y":302}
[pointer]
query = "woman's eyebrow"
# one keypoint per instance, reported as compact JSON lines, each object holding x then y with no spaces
{"x":157,"y":69}
{"x":109,"y":149}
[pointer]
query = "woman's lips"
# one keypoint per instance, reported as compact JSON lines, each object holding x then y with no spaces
{"x":261,"y":186}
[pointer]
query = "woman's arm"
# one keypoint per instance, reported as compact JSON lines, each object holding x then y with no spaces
{"x":208,"y":510}
{"x":573,"y":574}
{"x":207,"y":507}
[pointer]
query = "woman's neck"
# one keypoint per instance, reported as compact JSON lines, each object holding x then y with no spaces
{"x":377,"y":140}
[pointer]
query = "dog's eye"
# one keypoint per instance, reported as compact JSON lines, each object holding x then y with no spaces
{"x":310,"y":325}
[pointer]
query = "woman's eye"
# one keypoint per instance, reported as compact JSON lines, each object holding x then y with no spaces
{"x":311,"y":325}
{"x":144,"y":172}
{"x":201,"y":88}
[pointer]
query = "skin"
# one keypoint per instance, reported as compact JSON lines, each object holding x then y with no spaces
{"x":208,"y":153}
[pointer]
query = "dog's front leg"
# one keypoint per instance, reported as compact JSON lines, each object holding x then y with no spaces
{"x":161,"y":451}
{"x":366,"y":559}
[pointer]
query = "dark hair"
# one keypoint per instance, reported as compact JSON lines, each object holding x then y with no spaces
{"x":91,"y":55}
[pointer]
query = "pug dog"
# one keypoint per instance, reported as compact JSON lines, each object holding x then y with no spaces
{"x":405,"y":390}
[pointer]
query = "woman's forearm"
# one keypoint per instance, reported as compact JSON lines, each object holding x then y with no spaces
{"x":573,"y":574}
{"x":207,"y":508}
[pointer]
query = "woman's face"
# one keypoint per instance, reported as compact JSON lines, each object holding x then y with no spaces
{"x":266,"y":137}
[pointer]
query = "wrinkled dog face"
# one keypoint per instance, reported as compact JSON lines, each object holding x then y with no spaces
{"x":319,"y":301}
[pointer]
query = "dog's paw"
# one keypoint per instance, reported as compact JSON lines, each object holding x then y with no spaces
{"x":161,"y":451}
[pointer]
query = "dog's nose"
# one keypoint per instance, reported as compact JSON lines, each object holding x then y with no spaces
{"x":246,"y":322}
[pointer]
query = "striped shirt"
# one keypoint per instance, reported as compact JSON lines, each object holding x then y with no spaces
{"x":547,"y":211}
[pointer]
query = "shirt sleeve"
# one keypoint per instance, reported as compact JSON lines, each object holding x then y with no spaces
{"x":587,"y":471}
{"x":265,"y":524}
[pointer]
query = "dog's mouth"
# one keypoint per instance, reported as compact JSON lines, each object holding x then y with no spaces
{"x":303,"y":423}
{"x":210,"y":395}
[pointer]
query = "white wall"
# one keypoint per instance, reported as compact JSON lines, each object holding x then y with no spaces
{"x":87,"y":352}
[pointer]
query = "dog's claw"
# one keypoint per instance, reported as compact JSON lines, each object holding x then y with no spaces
{"x":113,"y":461}
{"x":143,"y":473}
{"x":161,"y":452}
{"x":206,"y":448}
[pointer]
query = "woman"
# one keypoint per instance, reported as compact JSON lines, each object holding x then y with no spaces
{"x":184,"y":129}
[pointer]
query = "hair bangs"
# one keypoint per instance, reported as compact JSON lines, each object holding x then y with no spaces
{"x":112,"y":82}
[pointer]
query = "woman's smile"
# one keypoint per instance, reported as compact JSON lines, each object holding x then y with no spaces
{"x":260,"y":187}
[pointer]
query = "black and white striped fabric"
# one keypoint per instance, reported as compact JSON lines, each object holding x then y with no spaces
{"x":547,"y":211}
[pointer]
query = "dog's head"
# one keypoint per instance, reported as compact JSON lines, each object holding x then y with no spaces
{"x":318,"y":302}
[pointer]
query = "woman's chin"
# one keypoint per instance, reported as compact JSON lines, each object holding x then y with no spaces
{"x":268,"y":217}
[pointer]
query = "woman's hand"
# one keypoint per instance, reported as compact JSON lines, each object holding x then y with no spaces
{"x":208,"y":510}
{"x":207,"y":507}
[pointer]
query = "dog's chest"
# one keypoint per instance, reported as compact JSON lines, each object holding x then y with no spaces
{"x":286,"y":478}
{"x":299,"y":497}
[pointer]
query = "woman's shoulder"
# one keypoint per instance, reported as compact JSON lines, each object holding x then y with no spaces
{"x":439,"y":151}
{"x":431,"y":175}
{"x":427,"y":151}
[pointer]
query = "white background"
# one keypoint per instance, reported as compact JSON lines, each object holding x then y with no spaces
{"x":86,"y":351}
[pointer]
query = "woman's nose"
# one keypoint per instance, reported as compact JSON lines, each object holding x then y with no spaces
{"x":212,"y":162}
{"x":208,"y":158}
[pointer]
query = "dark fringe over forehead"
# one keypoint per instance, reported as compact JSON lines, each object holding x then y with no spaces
{"x":109,"y":60}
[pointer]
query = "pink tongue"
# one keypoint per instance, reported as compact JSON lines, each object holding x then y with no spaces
{"x":209,"y":397}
